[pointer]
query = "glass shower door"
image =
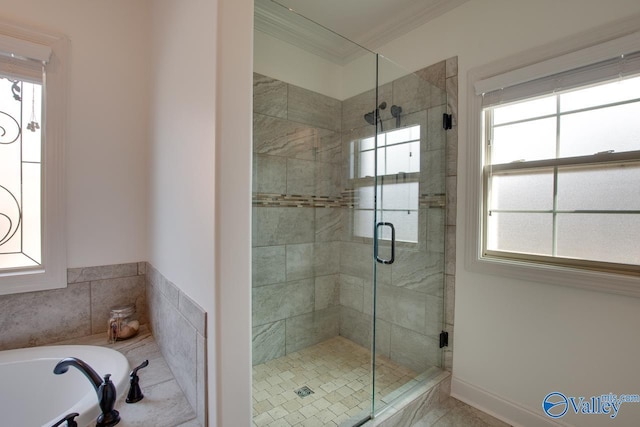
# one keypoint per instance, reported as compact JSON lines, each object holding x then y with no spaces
{"x":409,"y":228}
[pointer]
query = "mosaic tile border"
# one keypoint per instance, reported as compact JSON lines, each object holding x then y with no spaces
{"x":347,"y":200}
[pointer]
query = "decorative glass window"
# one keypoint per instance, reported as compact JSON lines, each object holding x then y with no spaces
{"x":398,"y":170}
{"x":20,"y":173}
{"x":32,"y":134}
{"x":562,"y":177}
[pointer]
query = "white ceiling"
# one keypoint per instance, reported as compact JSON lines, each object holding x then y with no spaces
{"x":370,"y":23}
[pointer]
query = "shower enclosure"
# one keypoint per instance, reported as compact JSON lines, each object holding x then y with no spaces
{"x":348,"y":225}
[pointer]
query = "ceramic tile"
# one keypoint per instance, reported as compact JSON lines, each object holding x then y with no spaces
{"x":177,"y":339}
{"x":434,"y":74}
{"x":270,"y":174}
{"x":280,"y":137}
{"x":193,"y":313}
{"x":402,"y":307}
{"x":452,"y":152}
{"x":351,"y":292}
{"x":268,"y":342}
{"x":329,"y":147}
{"x":268,"y":265}
{"x":312,"y":108}
{"x":300,"y":261}
{"x":329,"y":224}
{"x":413,"y":350}
{"x":311,"y":328}
{"x":142,"y":268}
{"x":452,"y":199}
{"x":163,"y":285}
{"x":301,"y":177}
{"x":280,"y":226}
{"x":418,"y":270}
{"x":37,"y":318}
{"x":449,"y":298}
{"x":436,"y":136}
{"x":201,"y":379}
{"x":326,"y":258}
{"x":450,"y":250}
{"x":354,"y":108}
{"x":339,"y":373}
{"x":452,"y":66}
{"x":281,"y":301}
{"x":433,"y":178}
{"x":191,"y":423}
{"x":115,"y":292}
{"x":355,"y":326}
{"x":452,"y":99}
{"x":78,"y":275}
{"x":269,"y":96}
{"x":167,"y":395}
{"x":327,"y":291}
{"x":328,"y":179}
{"x":412,"y":93}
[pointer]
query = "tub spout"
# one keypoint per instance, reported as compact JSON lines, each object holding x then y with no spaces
{"x":104,"y":388}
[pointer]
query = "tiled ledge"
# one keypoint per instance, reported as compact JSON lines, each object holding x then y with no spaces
{"x":164,"y":403}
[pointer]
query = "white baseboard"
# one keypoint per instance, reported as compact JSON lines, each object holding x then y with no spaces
{"x":499,"y":407}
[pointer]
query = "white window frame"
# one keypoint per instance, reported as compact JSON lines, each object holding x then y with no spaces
{"x":35,"y":44}
{"x":584,"y":49}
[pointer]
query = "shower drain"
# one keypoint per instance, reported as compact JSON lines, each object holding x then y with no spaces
{"x":304,"y":391}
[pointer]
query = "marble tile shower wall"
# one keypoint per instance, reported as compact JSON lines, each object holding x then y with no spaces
{"x":410,"y":297}
{"x":312,"y":277}
{"x":297,"y":152}
{"x":81,"y":309}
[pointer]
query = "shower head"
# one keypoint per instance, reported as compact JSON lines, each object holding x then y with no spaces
{"x":395,"y":112}
{"x":371,"y":116}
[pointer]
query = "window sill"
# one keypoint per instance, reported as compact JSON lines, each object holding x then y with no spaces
{"x":598,"y":281}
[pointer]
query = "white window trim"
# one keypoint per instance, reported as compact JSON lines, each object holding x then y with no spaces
{"x":560,"y":52}
{"x":53,"y":273}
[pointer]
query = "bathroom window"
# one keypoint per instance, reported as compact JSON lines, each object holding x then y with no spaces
{"x":398,"y":170}
{"x":32,"y":111}
{"x":555,"y":186}
{"x":562,"y":177}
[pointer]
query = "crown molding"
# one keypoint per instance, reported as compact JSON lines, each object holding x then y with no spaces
{"x":282,"y":23}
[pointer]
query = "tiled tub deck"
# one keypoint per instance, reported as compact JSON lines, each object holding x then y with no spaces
{"x":164,"y":403}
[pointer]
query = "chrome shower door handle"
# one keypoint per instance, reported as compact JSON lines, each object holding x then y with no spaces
{"x":393,"y":243}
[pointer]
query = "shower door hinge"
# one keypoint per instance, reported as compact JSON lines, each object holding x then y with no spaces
{"x":444,"y":339}
{"x":447,"y":121}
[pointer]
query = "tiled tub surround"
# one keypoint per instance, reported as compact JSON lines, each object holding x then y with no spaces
{"x":312,"y":278}
{"x":81,"y":309}
{"x":179,"y":328}
{"x":164,"y":404}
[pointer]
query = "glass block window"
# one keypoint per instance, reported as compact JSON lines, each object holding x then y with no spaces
{"x":20,"y":173}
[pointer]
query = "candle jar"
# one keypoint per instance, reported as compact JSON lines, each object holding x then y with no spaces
{"x":123,"y":323}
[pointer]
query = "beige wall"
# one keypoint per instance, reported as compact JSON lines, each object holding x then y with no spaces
{"x":107,"y":132}
{"x":200,"y":169}
{"x":516,"y":341}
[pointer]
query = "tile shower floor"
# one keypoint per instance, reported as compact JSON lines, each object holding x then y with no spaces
{"x":338,"y":372}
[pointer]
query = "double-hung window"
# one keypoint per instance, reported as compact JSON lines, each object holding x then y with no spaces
{"x":398,"y":176}
{"x":32,"y":115}
{"x":560,"y":162}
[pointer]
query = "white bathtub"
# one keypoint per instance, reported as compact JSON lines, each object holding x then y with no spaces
{"x":32,"y":395}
